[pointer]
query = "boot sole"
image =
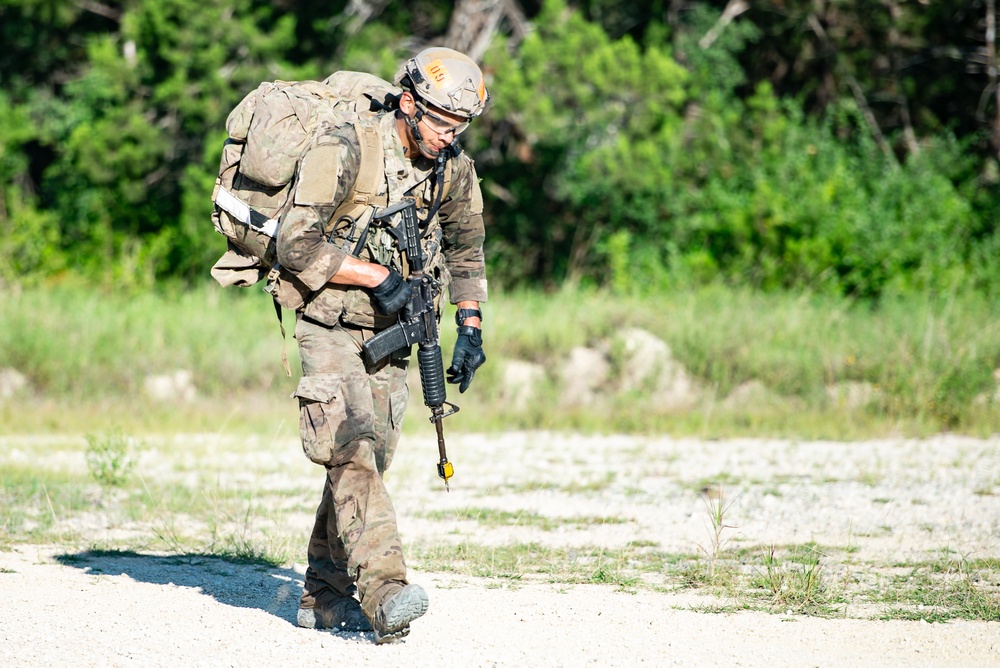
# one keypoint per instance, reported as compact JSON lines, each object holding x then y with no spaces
{"x":410,"y":603}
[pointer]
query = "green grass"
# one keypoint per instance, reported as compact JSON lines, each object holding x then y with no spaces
{"x":624,"y":568}
{"x":941,"y":590}
{"x":930,"y":358}
{"x":493,"y":518}
{"x":29,"y":498}
{"x":233,"y":522}
{"x":790,"y":579}
{"x":111,"y":457}
{"x":929,"y":361}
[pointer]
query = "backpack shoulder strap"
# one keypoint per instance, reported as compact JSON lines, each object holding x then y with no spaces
{"x":369,"y":172}
{"x":446,"y":186}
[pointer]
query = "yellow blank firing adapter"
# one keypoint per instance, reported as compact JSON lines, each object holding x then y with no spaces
{"x":445,"y":470}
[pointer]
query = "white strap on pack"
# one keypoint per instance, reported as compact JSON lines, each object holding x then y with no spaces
{"x":242,"y":212}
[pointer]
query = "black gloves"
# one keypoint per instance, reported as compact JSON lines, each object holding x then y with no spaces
{"x":391,"y":294}
{"x":468,"y":357}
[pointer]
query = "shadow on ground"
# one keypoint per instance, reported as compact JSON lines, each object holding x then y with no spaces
{"x":243,"y":584}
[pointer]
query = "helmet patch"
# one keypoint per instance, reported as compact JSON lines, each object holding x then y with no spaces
{"x":439,"y":74}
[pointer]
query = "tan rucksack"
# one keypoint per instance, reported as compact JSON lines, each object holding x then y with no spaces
{"x":268,"y":132}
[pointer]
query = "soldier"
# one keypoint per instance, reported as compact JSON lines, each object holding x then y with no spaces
{"x":350,"y":412}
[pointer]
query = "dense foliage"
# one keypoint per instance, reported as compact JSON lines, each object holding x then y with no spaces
{"x":844,"y":146}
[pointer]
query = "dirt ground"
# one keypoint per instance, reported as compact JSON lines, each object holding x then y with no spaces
{"x":892,"y":501}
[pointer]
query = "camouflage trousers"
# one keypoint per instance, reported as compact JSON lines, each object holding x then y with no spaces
{"x":350,"y":418}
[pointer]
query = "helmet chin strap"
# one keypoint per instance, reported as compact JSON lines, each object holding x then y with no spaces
{"x":413,"y":122}
{"x":440,"y":158}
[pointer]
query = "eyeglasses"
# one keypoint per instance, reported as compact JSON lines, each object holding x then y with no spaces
{"x":438,"y":124}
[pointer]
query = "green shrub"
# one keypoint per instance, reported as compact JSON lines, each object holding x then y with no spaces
{"x":110,"y":457}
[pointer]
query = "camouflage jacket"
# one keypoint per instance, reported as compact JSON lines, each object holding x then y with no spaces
{"x":326,"y":174}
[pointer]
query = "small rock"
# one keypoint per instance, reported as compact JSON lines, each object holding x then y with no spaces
{"x":519,"y":381}
{"x":176,"y":386}
{"x":852,"y":394}
{"x":11,"y":382}
{"x":583,"y":372}
{"x":649,"y":366}
{"x":750,"y":394}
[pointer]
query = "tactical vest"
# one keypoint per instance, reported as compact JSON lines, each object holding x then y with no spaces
{"x":350,"y":229}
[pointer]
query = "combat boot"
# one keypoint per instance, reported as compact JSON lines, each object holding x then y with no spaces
{"x":342,"y":613}
{"x":396,"y":611}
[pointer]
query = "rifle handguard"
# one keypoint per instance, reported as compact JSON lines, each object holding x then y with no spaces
{"x":431,"y":375}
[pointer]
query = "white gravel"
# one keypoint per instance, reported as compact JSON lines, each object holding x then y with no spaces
{"x":890,"y":501}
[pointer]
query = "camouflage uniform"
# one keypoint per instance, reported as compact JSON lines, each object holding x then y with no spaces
{"x":350,"y":413}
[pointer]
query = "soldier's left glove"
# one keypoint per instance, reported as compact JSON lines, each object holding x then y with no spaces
{"x":468,"y":357}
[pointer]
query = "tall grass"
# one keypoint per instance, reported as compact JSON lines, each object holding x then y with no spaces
{"x":929,"y":361}
{"x":76,"y":343}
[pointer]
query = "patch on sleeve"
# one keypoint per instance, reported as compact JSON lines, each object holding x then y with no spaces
{"x":319,"y":176}
{"x":477,"y":195}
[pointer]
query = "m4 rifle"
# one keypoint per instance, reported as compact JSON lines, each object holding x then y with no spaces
{"x":417,"y":322}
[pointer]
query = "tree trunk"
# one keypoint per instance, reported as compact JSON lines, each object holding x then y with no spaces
{"x":362,"y":11}
{"x":909,"y":136}
{"x":475,"y":22}
{"x":991,"y":63}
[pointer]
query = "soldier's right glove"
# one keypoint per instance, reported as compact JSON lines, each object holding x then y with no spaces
{"x":391,"y":294}
{"x":468,"y":357}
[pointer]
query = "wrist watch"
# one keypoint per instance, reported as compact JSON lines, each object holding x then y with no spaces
{"x":463,"y":313}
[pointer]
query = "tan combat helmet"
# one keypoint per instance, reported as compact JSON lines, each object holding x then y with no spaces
{"x":446,"y":79}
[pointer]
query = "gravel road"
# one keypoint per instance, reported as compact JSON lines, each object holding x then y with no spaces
{"x":890,"y":502}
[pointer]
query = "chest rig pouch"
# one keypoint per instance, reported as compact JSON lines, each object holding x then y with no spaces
{"x":356,"y":231}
